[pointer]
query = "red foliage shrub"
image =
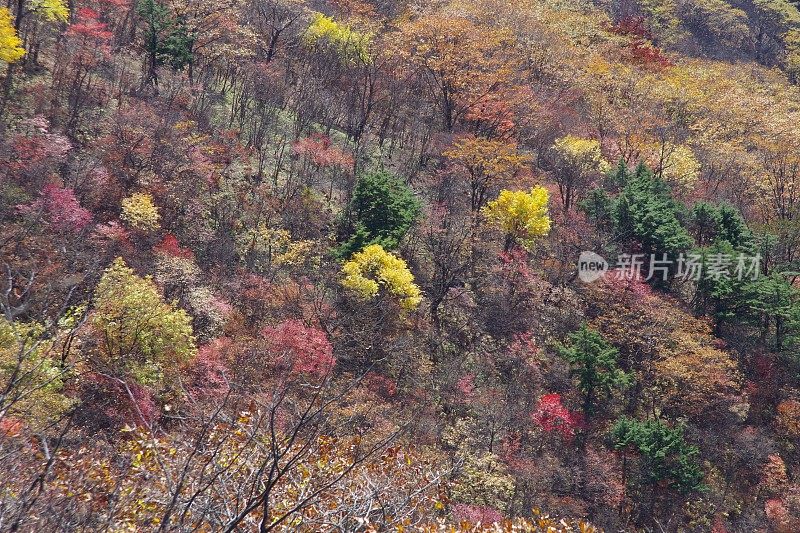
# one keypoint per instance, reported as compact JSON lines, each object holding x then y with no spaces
{"x":11,"y":427}
{"x":645,"y":54}
{"x":112,"y":238}
{"x":302,"y":349}
{"x":493,"y":114}
{"x":523,"y":346}
{"x":321,"y":151}
{"x":88,"y":26}
{"x":552,"y":416}
{"x":635,"y":26}
{"x":169,"y":245}
{"x":627,"y":283}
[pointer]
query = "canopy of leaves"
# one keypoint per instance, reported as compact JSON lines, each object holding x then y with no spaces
{"x":552,"y":416}
{"x":578,"y":155}
{"x":51,"y":10}
{"x":680,"y":166}
{"x":63,"y":210}
{"x":523,"y":216}
{"x":489,"y":164}
{"x":139,"y":212}
{"x":373,"y":269}
{"x":139,"y":333}
{"x":33,"y":380}
{"x":11,"y":49}
{"x":348,"y":43}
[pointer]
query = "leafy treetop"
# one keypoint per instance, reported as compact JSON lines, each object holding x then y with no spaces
{"x":11,"y":49}
{"x":374,"y":268}
{"x":140,"y":333}
{"x":521,"y":215}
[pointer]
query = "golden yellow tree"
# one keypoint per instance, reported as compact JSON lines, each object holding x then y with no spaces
{"x":523,"y":216}
{"x":373,"y":269}
{"x":10,"y":44}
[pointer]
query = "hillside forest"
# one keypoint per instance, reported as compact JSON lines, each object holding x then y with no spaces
{"x":412,"y":265}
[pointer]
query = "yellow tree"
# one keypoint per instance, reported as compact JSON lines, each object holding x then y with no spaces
{"x":348,"y":43}
{"x":31,"y":377}
{"x":49,"y":10}
{"x":11,"y":49}
{"x":674,"y":163}
{"x":10,"y":44}
{"x":487,"y":162}
{"x":139,"y":211}
{"x":373,"y":269}
{"x":523,"y":216}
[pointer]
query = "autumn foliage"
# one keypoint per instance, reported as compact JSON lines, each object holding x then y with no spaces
{"x":358,"y":265}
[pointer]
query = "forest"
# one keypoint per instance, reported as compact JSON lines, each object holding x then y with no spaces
{"x":410,"y":265}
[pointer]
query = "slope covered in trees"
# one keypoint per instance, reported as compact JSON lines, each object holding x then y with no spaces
{"x":324,"y":265}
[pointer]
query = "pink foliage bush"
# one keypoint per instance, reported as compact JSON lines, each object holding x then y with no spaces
{"x":109,"y":403}
{"x":466,"y":386}
{"x":206,"y":374}
{"x":380,"y":384}
{"x":523,"y":346}
{"x":778,"y":515}
{"x":62,"y":209}
{"x":476,"y":513}
{"x":39,"y":153}
{"x":627,"y":282}
{"x":514,"y":265}
{"x":112,"y":232}
{"x":303,"y":349}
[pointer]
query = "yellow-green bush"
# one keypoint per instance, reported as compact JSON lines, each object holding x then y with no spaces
{"x":348,"y":43}
{"x":139,"y":212}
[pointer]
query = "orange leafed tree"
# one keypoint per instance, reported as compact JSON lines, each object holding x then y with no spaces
{"x":461,"y":62}
{"x":488,"y":163}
